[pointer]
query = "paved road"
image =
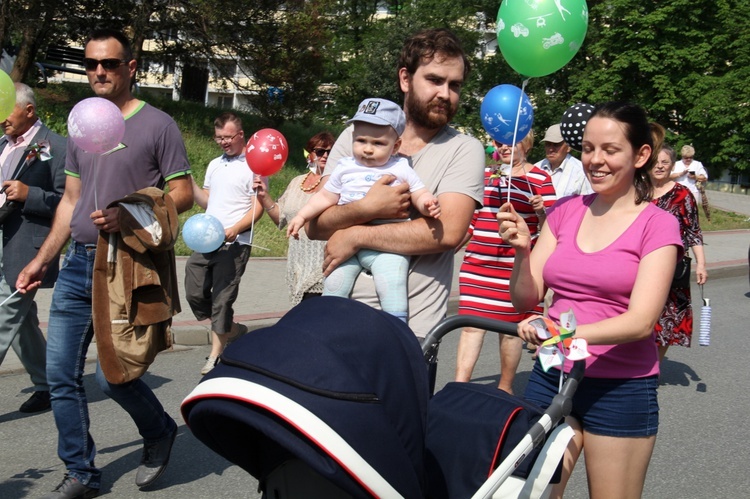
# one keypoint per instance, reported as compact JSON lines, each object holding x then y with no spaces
{"x":727,"y":201}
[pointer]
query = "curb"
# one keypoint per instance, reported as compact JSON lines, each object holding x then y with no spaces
{"x":199,"y":335}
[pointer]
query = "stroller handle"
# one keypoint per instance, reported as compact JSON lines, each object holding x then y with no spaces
{"x":458,"y":321}
{"x":431,"y":343}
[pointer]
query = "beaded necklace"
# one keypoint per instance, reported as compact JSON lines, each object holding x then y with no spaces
{"x":312,"y":187}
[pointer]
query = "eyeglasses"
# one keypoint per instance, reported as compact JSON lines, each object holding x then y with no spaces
{"x":321,"y":152}
{"x":107,"y":64}
{"x":219,"y":140}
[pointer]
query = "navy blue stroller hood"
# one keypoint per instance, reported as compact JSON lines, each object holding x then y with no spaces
{"x":358,"y":370}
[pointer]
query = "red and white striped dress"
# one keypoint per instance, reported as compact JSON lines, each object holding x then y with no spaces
{"x":484,"y":278}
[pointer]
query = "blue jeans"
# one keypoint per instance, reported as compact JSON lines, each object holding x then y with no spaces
{"x":68,"y":337}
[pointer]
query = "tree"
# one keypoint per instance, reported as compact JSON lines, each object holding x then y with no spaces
{"x":685,"y":61}
{"x":682,"y":60}
{"x":367,"y":41}
{"x":27,"y":25}
{"x":275,"y":44}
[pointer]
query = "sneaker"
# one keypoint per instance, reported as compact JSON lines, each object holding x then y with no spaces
{"x":155,"y":459}
{"x":238,"y":330}
{"x":70,"y":488}
{"x":38,"y":402}
{"x":210,"y":364}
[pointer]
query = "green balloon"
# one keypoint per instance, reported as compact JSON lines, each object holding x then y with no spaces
{"x":538,"y":37}
{"x":7,"y":95}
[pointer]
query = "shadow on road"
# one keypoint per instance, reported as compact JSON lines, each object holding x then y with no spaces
{"x":190,"y":461}
{"x":679,"y":374}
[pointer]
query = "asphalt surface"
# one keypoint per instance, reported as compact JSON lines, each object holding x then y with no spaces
{"x":701,"y":449}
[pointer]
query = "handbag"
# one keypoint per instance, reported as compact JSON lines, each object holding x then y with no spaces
{"x":681,"y":277}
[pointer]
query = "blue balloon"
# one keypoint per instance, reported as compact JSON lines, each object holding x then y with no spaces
{"x":499,"y":110}
{"x":203,"y":233}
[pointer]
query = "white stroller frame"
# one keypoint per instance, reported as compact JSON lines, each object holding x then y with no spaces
{"x":501,"y":484}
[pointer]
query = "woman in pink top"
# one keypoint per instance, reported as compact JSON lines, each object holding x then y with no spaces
{"x":609,"y":257}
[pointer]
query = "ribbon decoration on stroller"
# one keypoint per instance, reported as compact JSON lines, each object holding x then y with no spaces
{"x":559,"y":344}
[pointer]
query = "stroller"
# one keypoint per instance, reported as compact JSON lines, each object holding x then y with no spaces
{"x":334,"y":401}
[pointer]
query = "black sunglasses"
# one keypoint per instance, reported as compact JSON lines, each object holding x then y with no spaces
{"x":321,"y":152}
{"x":107,"y":64}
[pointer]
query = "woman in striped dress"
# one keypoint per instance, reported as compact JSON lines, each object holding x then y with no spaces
{"x":488,"y":261}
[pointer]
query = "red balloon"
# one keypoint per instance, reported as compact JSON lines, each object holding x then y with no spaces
{"x":266,"y":152}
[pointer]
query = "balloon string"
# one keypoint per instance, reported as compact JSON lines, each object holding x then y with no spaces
{"x":515,"y":134}
{"x":252,"y":222}
{"x":9,"y":297}
{"x":96,"y":170}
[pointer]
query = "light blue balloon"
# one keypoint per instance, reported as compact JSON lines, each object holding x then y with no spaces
{"x":499,"y":110}
{"x":203,"y":233}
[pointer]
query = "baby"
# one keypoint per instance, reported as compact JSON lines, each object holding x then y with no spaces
{"x":378,"y":125}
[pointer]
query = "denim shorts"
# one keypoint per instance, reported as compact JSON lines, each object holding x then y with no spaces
{"x":604,"y":406}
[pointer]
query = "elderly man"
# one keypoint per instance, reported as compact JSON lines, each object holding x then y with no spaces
{"x":32,"y":159}
{"x":566,"y":171}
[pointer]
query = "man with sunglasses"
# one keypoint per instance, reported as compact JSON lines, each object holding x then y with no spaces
{"x":432,"y":70}
{"x":212,"y":280}
{"x":151,"y":154}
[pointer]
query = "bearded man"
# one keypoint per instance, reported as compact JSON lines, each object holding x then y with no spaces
{"x":431,"y":72}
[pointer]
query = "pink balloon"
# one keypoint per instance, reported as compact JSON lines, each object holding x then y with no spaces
{"x":96,"y":125}
{"x":266,"y":152}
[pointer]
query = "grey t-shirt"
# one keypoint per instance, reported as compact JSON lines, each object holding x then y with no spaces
{"x":451,"y":163}
{"x":150,"y":153}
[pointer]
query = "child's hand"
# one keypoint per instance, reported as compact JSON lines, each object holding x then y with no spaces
{"x":433,"y":207}
{"x":295,"y":224}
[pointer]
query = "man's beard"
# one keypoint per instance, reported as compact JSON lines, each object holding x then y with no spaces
{"x":425,"y":114}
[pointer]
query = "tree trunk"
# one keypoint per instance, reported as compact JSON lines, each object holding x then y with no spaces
{"x":37,"y":21}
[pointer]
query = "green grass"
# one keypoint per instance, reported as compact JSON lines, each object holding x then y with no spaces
{"x":723,"y":220}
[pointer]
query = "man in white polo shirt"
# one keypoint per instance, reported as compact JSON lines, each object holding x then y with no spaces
{"x":212,"y":279}
{"x":566,"y":171}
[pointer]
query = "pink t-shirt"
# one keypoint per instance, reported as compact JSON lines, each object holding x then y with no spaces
{"x":597,"y":285}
